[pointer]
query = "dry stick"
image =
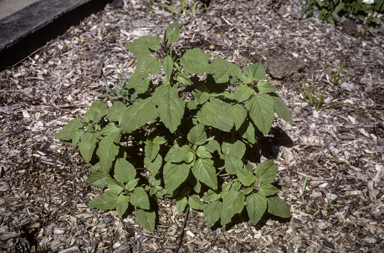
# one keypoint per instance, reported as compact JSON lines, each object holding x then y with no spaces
{"x":182,"y":231}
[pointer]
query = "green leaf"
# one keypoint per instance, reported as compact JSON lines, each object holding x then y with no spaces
{"x":181,"y":204}
{"x":168,"y":66}
{"x":151,"y":149}
{"x":107,"y":150}
{"x":202,"y":152}
{"x":237,"y":149}
{"x":143,"y":45}
{"x":138,"y":114}
{"x":195,"y":62}
{"x":278,"y":207}
{"x":178,"y":154}
{"x":171,"y":107}
{"x":211,"y":196}
{"x":76,"y":138}
{"x":183,"y":78}
{"x":232,"y":163}
{"x":153,"y":166}
{"x":215,"y":114}
{"x":256,"y":207}
{"x":97,"y":110}
{"x":145,"y":66}
{"x":146,"y":219}
{"x":172,"y":33}
{"x":266,"y":171}
{"x":195,"y":202}
{"x":68,"y":131}
{"x":87,"y":145}
{"x":233,"y":203}
{"x":268,"y":190}
{"x":221,"y":70}
{"x":255,"y":72}
{"x":200,"y":97}
{"x":282,"y":109}
{"x":122,"y":204}
{"x":213,"y":146}
{"x":261,"y":111}
{"x":197,"y":135}
{"x":246,"y":177}
{"x":114,"y":186}
{"x":239,"y":113}
{"x":124,"y":171}
{"x":97,"y":179}
{"x":247,"y":191}
{"x":116,"y":111}
{"x":242,"y":93}
{"x":139,"y":198}
{"x":247,"y":131}
{"x":205,"y":172}
{"x":212,"y":212}
{"x":107,"y":201}
{"x":174,"y":175}
{"x":265,"y":87}
{"x":130,"y":186}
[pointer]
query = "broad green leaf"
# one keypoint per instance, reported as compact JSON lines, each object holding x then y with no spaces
{"x":138,"y":114}
{"x":174,"y":175}
{"x":112,"y":132}
{"x":211,"y":196}
{"x":232,"y":163}
{"x":76,"y":136}
{"x":261,"y":111}
{"x":233,"y":203}
{"x":242,"y":93}
{"x":145,"y":66}
{"x":213,"y":146}
{"x":221,"y":70}
{"x":282,"y":109}
{"x":183,"y":78}
{"x":247,"y":131}
{"x":97,"y":179}
{"x":247,"y":191}
{"x":236,"y":149}
{"x":196,"y":62}
{"x":236,"y":186}
{"x":255,"y":71}
{"x":172,"y":33}
{"x":139,"y":198}
{"x":130,"y":186}
{"x":205,"y":172}
{"x":195,"y":202}
{"x":239,"y":113}
{"x":212,"y":212}
{"x":107,"y":150}
{"x":200,"y":97}
{"x":124,"y":170}
{"x":97,"y":110}
{"x":202,"y":152}
{"x":151,"y":149}
{"x":197,"y":187}
{"x":178,"y":154}
{"x":246,"y":177}
{"x":215,"y":114}
{"x":168,"y":66}
{"x":116,"y":112}
{"x":256,"y":207}
{"x":266,"y":171}
{"x":114,"y":186}
{"x":68,"y":131}
{"x":268,"y":190}
{"x":87,"y":145}
{"x":143,"y":46}
{"x":197,"y":135}
{"x":171,"y":107}
{"x":122,"y":204}
{"x":266,"y":87}
{"x":278,"y":207}
{"x":153,"y":166}
{"x":107,"y":201}
{"x":181,"y":204}
{"x":146,"y":219}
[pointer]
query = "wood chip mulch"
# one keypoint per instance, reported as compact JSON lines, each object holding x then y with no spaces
{"x":339,"y":150}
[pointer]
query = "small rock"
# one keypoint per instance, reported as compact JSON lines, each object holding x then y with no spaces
{"x":58,"y":231}
{"x":71,"y":250}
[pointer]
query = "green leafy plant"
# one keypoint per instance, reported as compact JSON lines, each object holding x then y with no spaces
{"x":314,"y":101}
{"x":303,"y":193}
{"x":336,"y":75}
{"x":189,"y":137}
{"x":331,"y":10}
{"x":182,"y":8}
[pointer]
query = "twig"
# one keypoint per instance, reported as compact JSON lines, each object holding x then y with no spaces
{"x":182,"y":231}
